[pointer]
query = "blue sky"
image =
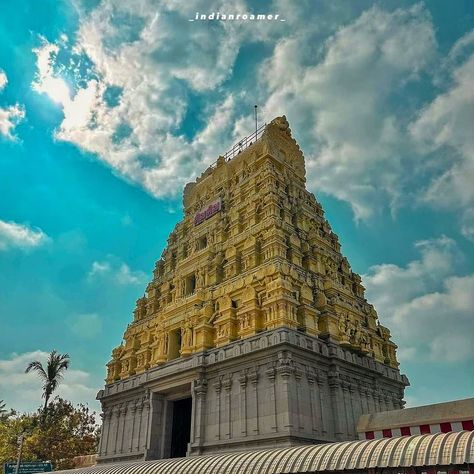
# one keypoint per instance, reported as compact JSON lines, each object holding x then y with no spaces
{"x":108,"y":108}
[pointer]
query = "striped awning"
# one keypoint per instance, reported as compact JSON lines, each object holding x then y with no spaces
{"x":443,"y":427}
{"x":457,"y":415}
{"x":440,"y":449}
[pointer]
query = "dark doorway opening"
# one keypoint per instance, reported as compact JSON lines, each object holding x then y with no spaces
{"x":181,"y":427}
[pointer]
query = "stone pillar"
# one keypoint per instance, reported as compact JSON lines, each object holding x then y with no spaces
{"x":139,"y":428}
{"x":127,"y":434}
{"x":364,"y":400}
{"x":386,"y":401}
{"x":253,"y":379}
{"x":114,"y":426}
{"x":227,"y":384}
{"x":192,"y":436}
{"x":109,"y":445}
{"x":359,"y":399}
{"x":337,"y":404}
{"x":243,"y":404}
{"x":113,"y":430}
{"x":370,"y":401}
{"x":354,"y":406}
{"x":101,"y":441}
{"x":199,"y":412}
{"x":299,"y":408}
{"x":347,"y":412}
{"x":321,"y":381}
{"x":375,"y":398}
{"x":155,"y":422}
{"x":146,"y":420}
{"x":393,"y":405}
{"x":271,"y":372}
{"x":165,"y":434}
{"x":123,"y":416}
{"x":380,"y":399}
{"x":133,"y":409}
{"x":313,"y":404}
{"x":285,"y":407}
{"x":104,"y":437}
{"x":218,"y":387}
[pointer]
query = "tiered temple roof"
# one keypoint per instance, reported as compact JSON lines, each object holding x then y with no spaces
{"x":253,"y":252}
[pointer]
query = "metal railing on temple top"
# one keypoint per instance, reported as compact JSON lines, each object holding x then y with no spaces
{"x":245,"y":143}
{"x":242,"y":145}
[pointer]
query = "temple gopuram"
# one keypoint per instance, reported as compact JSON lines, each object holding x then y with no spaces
{"x":254,"y":331}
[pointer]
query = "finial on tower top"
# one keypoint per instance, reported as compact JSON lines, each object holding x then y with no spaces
{"x":282,"y":124}
{"x":256,"y":119}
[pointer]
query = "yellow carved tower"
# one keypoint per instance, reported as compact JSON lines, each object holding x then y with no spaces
{"x":252,"y":253}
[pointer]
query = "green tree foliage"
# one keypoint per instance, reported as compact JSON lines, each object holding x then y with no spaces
{"x":4,"y":412}
{"x":52,"y":375}
{"x":56,"y":434}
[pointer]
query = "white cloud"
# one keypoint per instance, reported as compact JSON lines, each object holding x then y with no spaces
{"x":13,"y":234}
{"x":126,"y":276}
{"x":46,"y":81}
{"x":3,"y":79}
{"x":23,"y":391}
{"x":419,"y":276}
{"x":440,"y":321}
{"x":135,"y":49}
{"x":339,"y":86}
{"x":425,"y":304}
{"x":10,"y":117}
{"x":341,"y":106}
{"x":116,"y":270}
{"x":444,"y":127}
{"x":98,"y":268}
{"x":467,"y":223}
{"x":86,"y":325}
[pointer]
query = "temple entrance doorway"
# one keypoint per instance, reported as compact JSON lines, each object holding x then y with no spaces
{"x":181,"y":427}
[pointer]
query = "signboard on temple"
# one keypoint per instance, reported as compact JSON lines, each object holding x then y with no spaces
{"x":208,"y":212}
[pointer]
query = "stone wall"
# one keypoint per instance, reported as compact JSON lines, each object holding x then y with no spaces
{"x":280,"y":387}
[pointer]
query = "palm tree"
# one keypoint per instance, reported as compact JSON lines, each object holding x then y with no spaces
{"x":56,"y":365}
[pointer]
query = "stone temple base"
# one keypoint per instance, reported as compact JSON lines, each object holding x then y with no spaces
{"x":278,"y":388}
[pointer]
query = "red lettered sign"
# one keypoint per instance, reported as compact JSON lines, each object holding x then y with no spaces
{"x":207,"y":212}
